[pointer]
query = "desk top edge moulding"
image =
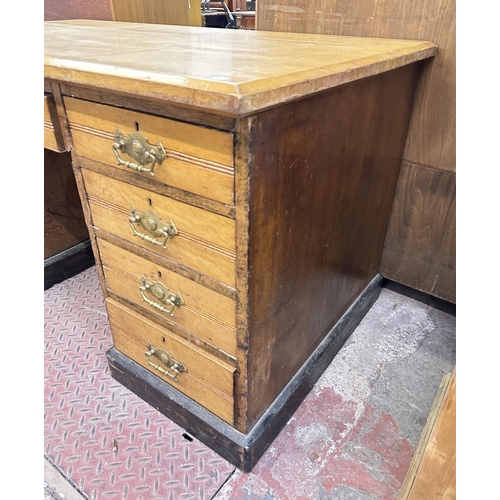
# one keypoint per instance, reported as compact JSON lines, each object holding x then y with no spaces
{"x":239,"y":75}
{"x":237,"y":187}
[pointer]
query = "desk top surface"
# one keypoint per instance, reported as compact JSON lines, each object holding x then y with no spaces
{"x":231,"y":72}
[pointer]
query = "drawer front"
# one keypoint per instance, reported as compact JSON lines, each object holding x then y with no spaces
{"x":52,"y":137}
{"x":197,"y":159}
{"x":198,"y":239}
{"x":201,"y":311}
{"x":202,"y":377}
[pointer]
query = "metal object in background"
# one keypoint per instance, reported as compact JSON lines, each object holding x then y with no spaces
{"x":231,"y":21}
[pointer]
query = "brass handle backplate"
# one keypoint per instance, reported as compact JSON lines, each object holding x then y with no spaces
{"x":137,"y":147}
{"x":149,"y":221}
{"x":168,"y":300}
{"x":172,"y":367}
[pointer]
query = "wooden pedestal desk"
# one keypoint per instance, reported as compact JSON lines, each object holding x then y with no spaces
{"x":237,"y":188}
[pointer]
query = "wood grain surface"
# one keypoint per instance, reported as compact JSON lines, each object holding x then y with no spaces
{"x":432,"y":472}
{"x":208,"y":380}
{"x":199,"y":159}
{"x":420,"y":247}
{"x":52,"y":135}
{"x":205,"y":313}
{"x":180,"y":12}
{"x":321,"y":190}
{"x":240,"y":77}
{"x":205,"y":241}
{"x":431,"y":140}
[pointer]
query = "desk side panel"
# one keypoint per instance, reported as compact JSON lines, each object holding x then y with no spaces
{"x":322,"y":183}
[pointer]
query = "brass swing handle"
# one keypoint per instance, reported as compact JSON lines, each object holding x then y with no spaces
{"x":153,"y":224}
{"x":137,"y":147}
{"x":168,"y":300}
{"x":173,"y":367}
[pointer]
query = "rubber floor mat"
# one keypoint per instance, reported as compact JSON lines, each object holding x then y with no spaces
{"x":104,"y":439}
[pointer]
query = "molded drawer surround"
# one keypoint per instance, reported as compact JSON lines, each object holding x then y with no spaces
{"x":52,"y":136}
{"x":205,"y":313}
{"x":198,"y":239}
{"x":199,"y":375}
{"x":197,"y":159}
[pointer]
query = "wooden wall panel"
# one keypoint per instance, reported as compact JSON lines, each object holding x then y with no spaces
{"x":431,"y":139}
{"x":178,"y":12}
{"x":420,"y":246}
{"x":430,"y":144}
{"x":76,"y":9}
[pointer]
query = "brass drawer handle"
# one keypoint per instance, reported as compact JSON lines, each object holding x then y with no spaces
{"x":137,"y":147}
{"x":159,"y":291}
{"x":154,"y":225}
{"x":173,"y":367}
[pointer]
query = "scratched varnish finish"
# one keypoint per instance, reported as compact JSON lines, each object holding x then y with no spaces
{"x":283,"y":153}
{"x":240,"y":77}
{"x":321,"y":191}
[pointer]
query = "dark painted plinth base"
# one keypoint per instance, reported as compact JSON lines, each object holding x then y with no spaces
{"x":67,"y":264}
{"x":242,"y":450}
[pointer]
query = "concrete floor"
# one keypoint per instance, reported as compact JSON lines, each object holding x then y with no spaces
{"x":352,"y":438}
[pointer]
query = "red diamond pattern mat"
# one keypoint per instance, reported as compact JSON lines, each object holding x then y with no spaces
{"x":104,"y":439}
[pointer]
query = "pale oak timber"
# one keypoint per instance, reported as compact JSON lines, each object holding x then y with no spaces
{"x":149,"y":105}
{"x":242,"y":160}
{"x":432,"y":472}
{"x":317,"y":127}
{"x":242,"y":450}
{"x":52,"y":137}
{"x":177,"y":69}
{"x":198,"y":159}
{"x":139,"y":179}
{"x":207,"y":379}
{"x":205,"y":241}
{"x":205,"y":313}
{"x":189,"y":273}
{"x":174,"y":328}
{"x":55,"y":90}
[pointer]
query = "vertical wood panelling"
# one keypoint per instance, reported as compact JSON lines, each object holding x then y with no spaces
{"x":430,"y":144}
{"x":180,"y":12}
{"x":422,"y":229}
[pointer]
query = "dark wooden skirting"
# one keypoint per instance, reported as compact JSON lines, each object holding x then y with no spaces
{"x":442,"y":305}
{"x":242,"y":450}
{"x":67,"y":263}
